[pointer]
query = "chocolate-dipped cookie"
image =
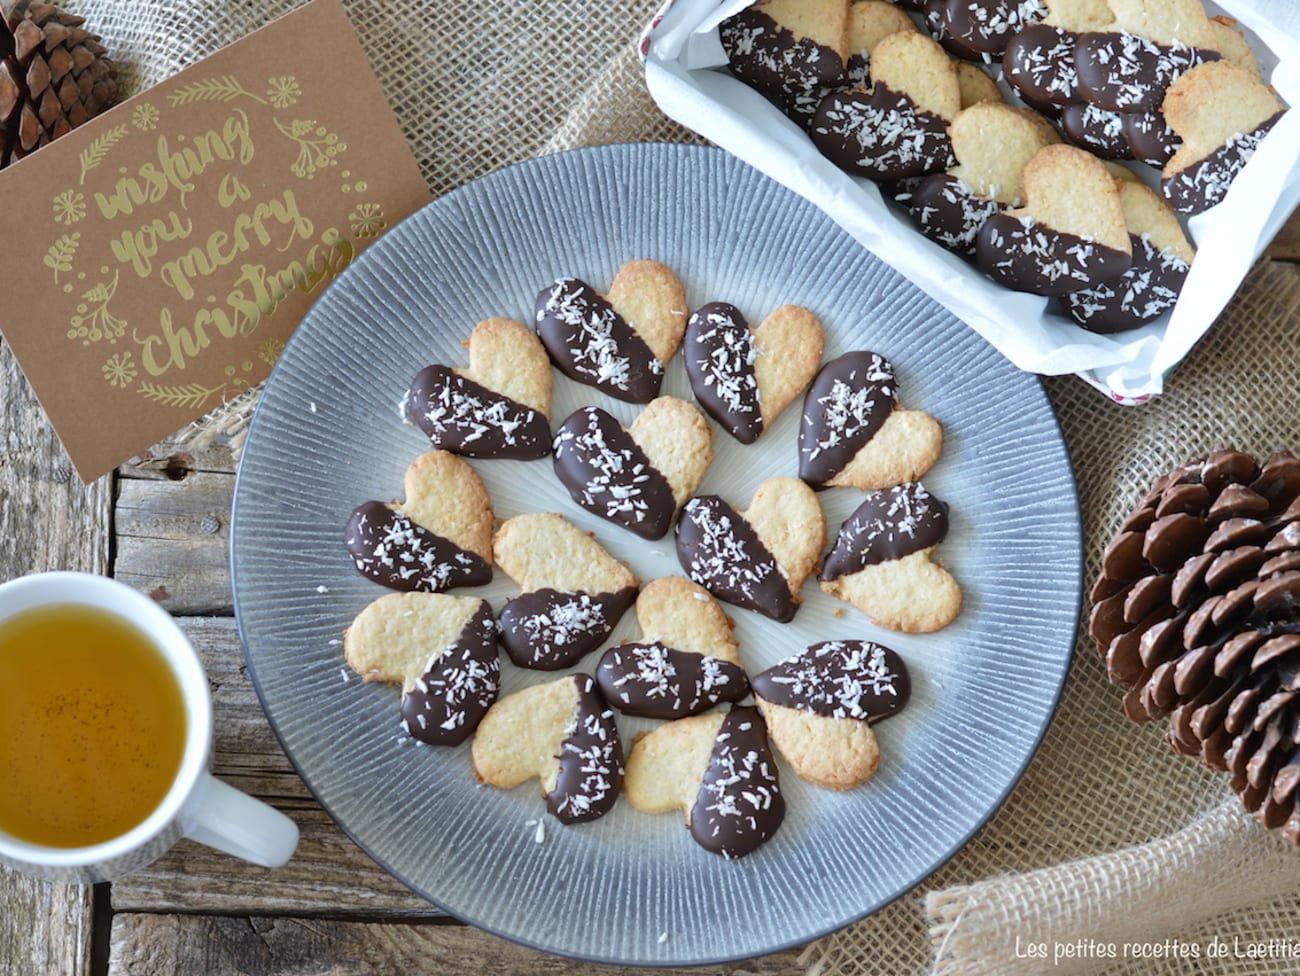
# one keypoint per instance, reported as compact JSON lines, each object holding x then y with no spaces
{"x":560,"y":733}
{"x":786,"y":46}
{"x":992,"y":143}
{"x":819,"y":705}
{"x":1222,"y":112}
{"x":617,"y":343}
{"x":717,"y":768}
{"x":685,"y":662}
{"x":1038,"y":64}
{"x":635,"y":477}
{"x":498,"y":406}
{"x":882,"y":561}
{"x":854,"y":432}
{"x":1150,"y":139}
{"x":1098,"y":130}
{"x":899,"y":128}
{"x":1069,"y":235}
{"x":574,"y":592}
{"x":744,"y":378}
{"x":439,"y":537}
{"x":759,"y":558}
{"x":441,"y":649}
{"x":978,"y":30}
{"x":1162,"y":256}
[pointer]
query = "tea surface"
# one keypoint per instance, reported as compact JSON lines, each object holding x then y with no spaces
{"x":92,"y":726}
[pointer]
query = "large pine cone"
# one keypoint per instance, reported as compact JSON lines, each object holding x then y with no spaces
{"x":54,"y":76}
{"x":1197,"y":613}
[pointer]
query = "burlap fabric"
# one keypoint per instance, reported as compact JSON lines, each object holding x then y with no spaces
{"x":1109,"y":838}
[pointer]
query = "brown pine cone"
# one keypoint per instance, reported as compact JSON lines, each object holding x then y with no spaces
{"x":1197,"y":614}
{"x":54,"y":75}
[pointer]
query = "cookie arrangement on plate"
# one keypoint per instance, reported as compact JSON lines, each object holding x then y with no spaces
{"x":718,"y":726}
{"x":1040,"y":187}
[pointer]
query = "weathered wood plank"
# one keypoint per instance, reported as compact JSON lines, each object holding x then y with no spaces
{"x":1286,"y":245}
{"x":154,"y":945}
{"x":328,"y":875}
{"x":48,"y":520}
{"x":173,"y":540}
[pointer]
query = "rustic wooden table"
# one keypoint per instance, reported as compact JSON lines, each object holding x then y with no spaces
{"x":161,"y":524}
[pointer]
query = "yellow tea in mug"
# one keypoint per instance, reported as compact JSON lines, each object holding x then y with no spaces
{"x":92,"y":726}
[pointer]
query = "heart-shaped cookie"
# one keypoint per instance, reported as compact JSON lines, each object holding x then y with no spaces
{"x":1070,"y":234}
{"x":788,"y":46}
{"x":978,"y":30}
{"x":759,"y":558}
{"x":1128,"y":66}
{"x":441,"y":649}
{"x":854,"y":433}
{"x":899,"y":128}
{"x":744,"y":378}
{"x":819,"y":705}
{"x":1162,"y":256}
{"x":992,"y":142}
{"x":618,"y":343}
{"x":883,"y":561}
{"x":574,"y":592}
{"x":560,"y":733}
{"x":639,"y":476}
{"x":686,"y":660}
{"x":719,"y":769}
{"x":1222,"y":112}
{"x":498,"y":406}
{"x":439,"y":537}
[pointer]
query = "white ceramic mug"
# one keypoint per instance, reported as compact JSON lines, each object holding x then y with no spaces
{"x":197,"y":805}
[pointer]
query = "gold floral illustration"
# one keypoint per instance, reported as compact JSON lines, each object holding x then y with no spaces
{"x":224,"y":89}
{"x":95,"y":153}
{"x":190,"y":396}
{"x":93,"y":321}
{"x":283,"y":91}
{"x":367,"y":220}
{"x":69,"y":207}
{"x":269,"y":349}
{"x":317,"y":146}
{"x":59,"y":257}
{"x":145,"y":118}
{"x":119,"y":370}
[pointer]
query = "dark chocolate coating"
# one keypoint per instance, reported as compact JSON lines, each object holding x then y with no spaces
{"x":1149,"y":138}
{"x":546,"y":630}
{"x":739,"y":806}
{"x":767,"y":55}
{"x":853,"y":679}
{"x":881,"y":134}
{"x":388,"y":547}
{"x":1126,"y":73}
{"x":1203,"y":184}
{"x":591,"y":761}
{"x":719,"y":352}
{"x":1097,"y":130}
{"x":948,"y":211}
{"x":1025,"y":255}
{"x":1147,"y":290}
{"x":978,"y":30}
{"x":656,"y":681}
{"x":451,"y":698}
{"x":467,"y":418}
{"x":849,"y":400}
{"x":889,"y":524}
{"x":722,"y":552}
{"x":1039,"y":66}
{"x":608,"y":474}
{"x":591,"y":343}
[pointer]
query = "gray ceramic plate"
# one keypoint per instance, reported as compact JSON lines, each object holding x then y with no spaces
{"x":632,"y":888}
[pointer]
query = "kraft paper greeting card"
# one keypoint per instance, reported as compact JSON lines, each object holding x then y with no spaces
{"x":171,"y":245}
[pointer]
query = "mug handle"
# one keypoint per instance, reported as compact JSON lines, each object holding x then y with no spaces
{"x":220,"y":816}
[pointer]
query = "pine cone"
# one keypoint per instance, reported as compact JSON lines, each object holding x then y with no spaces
{"x":54,"y":75}
{"x":1197,"y":614}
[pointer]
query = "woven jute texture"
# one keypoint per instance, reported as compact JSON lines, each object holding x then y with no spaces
{"x":1109,"y":839}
